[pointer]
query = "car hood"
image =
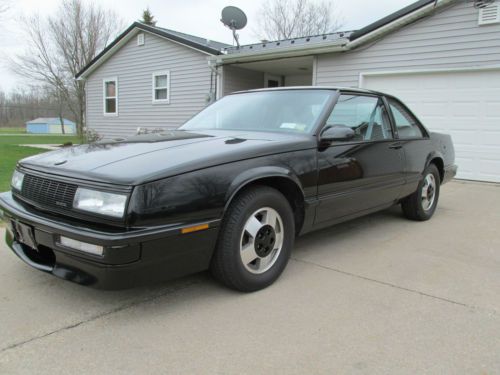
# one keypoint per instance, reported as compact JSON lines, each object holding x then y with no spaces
{"x":149,"y":157}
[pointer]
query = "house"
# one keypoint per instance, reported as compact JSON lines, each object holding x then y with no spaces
{"x":442,"y":57}
{"x":148,"y":77}
{"x":50,"y":125}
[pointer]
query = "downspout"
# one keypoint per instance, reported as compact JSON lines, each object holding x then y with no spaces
{"x":212,"y":95}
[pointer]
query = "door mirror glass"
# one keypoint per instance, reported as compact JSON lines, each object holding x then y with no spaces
{"x":337,"y":133}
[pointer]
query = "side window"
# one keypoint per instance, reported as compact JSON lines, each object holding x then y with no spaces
{"x":405,"y":123}
{"x":366,"y":115}
{"x":161,"y":87}
{"x":110,"y":96}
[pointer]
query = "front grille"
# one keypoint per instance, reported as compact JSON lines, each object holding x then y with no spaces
{"x":48,"y":192}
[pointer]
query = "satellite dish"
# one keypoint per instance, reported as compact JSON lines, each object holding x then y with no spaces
{"x":235,"y":19}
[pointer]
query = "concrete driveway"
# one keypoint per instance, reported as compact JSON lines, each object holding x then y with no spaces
{"x":373,"y":296}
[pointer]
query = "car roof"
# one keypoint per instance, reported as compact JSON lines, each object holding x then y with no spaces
{"x":334,"y":88}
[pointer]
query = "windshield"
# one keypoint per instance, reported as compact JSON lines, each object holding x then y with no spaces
{"x":291,"y":111}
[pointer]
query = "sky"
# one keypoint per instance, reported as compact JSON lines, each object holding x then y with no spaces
{"x":197,"y":17}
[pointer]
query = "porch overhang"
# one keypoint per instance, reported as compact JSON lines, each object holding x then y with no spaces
{"x":282,"y":53}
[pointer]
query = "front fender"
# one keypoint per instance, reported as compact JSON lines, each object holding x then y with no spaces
{"x":257,"y":173}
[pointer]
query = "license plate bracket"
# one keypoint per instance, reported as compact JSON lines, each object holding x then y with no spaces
{"x":24,"y":234}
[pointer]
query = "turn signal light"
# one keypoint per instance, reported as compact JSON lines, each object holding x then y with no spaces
{"x":196,"y":228}
{"x":81,"y":246}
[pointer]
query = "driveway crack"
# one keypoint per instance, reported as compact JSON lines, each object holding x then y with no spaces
{"x":385,"y":283}
{"x":103,"y":314}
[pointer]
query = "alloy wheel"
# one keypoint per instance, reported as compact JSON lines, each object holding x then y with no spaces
{"x":261,"y":240}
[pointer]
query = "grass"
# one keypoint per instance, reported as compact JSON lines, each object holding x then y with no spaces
{"x":12,"y":130}
{"x":11,"y":152}
{"x":24,"y":139}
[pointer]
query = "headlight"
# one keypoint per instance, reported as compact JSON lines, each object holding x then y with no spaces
{"x":100,"y":202}
{"x":17,"y":180}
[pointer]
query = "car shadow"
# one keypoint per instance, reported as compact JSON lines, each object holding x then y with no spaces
{"x":347,"y":231}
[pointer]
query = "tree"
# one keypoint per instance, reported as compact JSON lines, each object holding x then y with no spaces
{"x":286,"y":19}
{"x":28,"y":103}
{"x":59,"y":98}
{"x":148,"y":18}
{"x":61,"y":45}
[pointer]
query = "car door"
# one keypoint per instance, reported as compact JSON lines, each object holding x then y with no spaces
{"x":364,"y":172}
{"x":414,"y":140}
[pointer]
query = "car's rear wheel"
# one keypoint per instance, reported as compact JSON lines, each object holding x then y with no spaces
{"x":255,"y":240}
{"x":423,"y":202}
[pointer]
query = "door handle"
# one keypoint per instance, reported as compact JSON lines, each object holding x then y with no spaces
{"x":395,"y":146}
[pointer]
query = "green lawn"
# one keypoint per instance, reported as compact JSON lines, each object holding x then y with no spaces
{"x":11,"y":152}
{"x":12,"y":130}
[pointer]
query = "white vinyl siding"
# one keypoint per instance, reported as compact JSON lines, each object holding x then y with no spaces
{"x":239,"y":79}
{"x":134,"y":66}
{"x":161,"y":87}
{"x":451,"y":38}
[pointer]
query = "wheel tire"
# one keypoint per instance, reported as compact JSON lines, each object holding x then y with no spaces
{"x":419,"y":205}
{"x":228,"y":265}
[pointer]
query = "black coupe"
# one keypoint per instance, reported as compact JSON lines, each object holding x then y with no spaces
{"x":229,"y":190}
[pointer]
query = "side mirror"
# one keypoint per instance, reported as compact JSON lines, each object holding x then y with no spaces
{"x":337,"y":133}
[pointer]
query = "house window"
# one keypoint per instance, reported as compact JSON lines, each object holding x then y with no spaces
{"x":161,"y":87}
{"x":140,"y":39}
{"x":110,"y":88}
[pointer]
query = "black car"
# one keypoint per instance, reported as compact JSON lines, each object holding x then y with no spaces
{"x":228,"y":191}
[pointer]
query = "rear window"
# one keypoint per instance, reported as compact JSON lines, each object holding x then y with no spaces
{"x":406,"y":124}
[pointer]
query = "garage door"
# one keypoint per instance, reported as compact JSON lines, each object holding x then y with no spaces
{"x":463,"y":104}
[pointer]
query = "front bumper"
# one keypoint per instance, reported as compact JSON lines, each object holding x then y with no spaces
{"x":130,"y":258}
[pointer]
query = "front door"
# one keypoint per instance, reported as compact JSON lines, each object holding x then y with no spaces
{"x":364,"y":172}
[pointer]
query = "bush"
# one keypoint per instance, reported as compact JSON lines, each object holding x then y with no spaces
{"x":92,"y":136}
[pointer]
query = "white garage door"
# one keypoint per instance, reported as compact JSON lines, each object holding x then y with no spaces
{"x":464,"y":104}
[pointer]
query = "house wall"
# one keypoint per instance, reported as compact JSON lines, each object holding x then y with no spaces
{"x":449,"y":39}
{"x":238,"y":79}
{"x":134,"y":65}
{"x":298,"y":80}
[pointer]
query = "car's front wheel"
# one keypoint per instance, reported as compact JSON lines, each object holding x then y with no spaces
{"x":423,"y":202}
{"x":255,"y":240}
